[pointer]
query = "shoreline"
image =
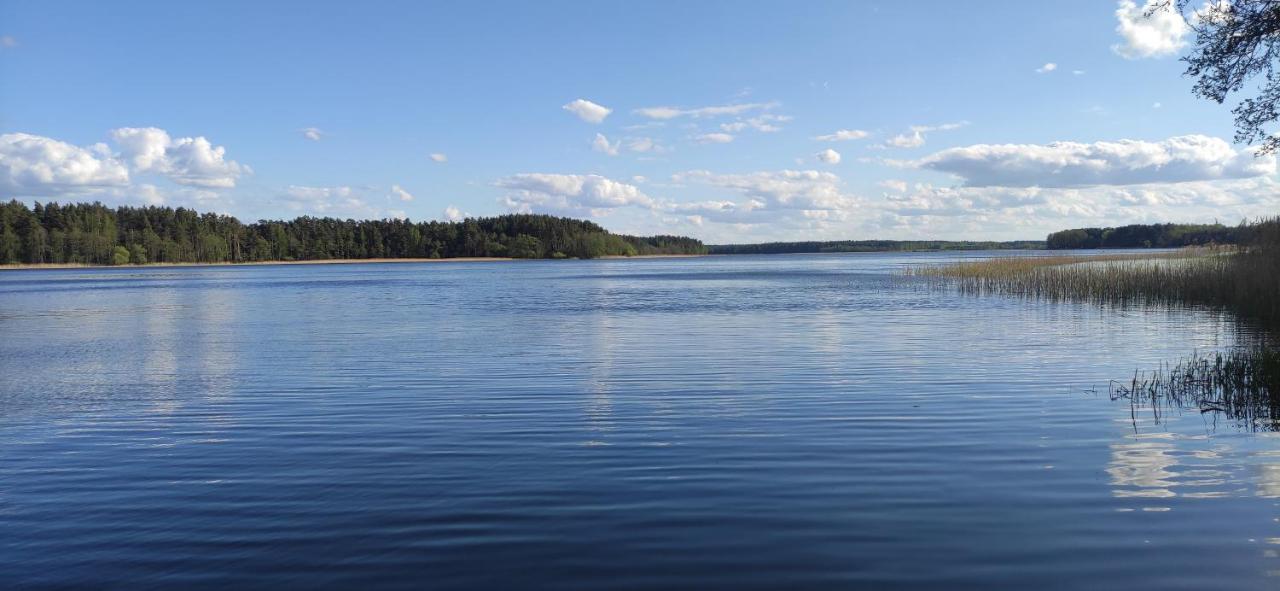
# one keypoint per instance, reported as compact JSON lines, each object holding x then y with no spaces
{"x":57,"y":266}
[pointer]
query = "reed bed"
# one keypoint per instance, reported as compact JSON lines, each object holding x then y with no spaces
{"x":1242,"y":385}
{"x":1246,"y":282}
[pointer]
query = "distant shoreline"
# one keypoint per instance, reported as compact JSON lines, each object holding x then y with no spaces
{"x":55,"y":266}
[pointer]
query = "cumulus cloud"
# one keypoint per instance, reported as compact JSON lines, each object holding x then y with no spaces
{"x":714,"y":138}
{"x":453,"y":214}
{"x":843,"y":135}
{"x":577,"y":194}
{"x":1123,"y":162}
{"x":792,"y":205}
{"x":828,"y":156}
{"x":438,"y":157}
{"x":894,"y":185}
{"x":915,"y":136}
{"x":337,"y":201}
{"x":1032,"y":212}
{"x":312,"y":133}
{"x":601,"y":144}
{"x":397,"y":192}
{"x":785,"y":189}
{"x":186,"y":161}
{"x":587,"y":110}
{"x":1160,"y":33}
{"x":1045,"y":69}
{"x":722,"y":211}
{"x":713,"y":111}
{"x":32,"y":165}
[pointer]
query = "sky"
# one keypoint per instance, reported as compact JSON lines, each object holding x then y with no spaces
{"x":727,"y":121}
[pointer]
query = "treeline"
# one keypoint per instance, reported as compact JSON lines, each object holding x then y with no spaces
{"x":1150,"y":236}
{"x":869,"y":246}
{"x":98,"y":235}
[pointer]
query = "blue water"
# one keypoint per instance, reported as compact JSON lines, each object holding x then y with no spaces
{"x":725,"y":422}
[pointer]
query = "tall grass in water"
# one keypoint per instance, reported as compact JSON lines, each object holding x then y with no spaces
{"x":1240,"y":385}
{"x":1246,"y":281}
{"x":1244,"y":383}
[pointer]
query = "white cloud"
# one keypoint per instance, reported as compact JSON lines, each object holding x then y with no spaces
{"x":186,"y":161}
{"x":1077,"y":72}
{"x":1123,"y":162}
{"x":1156,"y":105}
{"x":1158,"y":35}
{"x":915,"y":136}
{"x":766,"y":123}
{"x":809,"y":205}
{"x":713,"y":111}
{"x":8,"y":42}
{"x":312,"y":133}
{"x":843,"y":135}
{"x":149,"y":194}
{"x":1045,"y":69}
{"x":453,"y":214}
{"x":397,"y":214}
{"x":587,"y":110}
{"x":601,"y":144}
{"x":1032,"y":212}
{"x":570,"y":194}
{"x":32,"y":165}
{"x":714,"y":138}
{"x":913,"y":140}
{"x":828,"y":156}
{"x":645,"y":145}
{"x":338,"y":201}
{"x":894,"y":185}
{"x":398,"y":192}
{"x":438,"y":157}
{"x":785,"y":189}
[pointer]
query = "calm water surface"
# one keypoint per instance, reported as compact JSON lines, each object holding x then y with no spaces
{"x":728,"y":422}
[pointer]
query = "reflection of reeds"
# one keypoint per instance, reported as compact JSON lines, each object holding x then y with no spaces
{"x":1243,"y":385}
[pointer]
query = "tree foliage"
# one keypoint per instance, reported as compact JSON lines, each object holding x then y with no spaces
{"x":1236,"y":41}
{"x":1149,"y":236}
{"x":867,"y":246}
{"x":96,"y":234}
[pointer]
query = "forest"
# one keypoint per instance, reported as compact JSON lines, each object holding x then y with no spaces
{"x":868,"y":246}
{"x":1150,"y":236}
{"x":94,"y":234}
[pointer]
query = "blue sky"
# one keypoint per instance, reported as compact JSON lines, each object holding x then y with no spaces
{"x":955,"y":114}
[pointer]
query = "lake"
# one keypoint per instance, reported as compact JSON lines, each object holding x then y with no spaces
{"x":744,"y":422}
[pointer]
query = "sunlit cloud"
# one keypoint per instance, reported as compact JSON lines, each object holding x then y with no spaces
{"x":587,"y":110}
{"x":1122,"y":162}
{"x":1154,"y":29}
{"x":663,"y":113}
{"x":843,"y":135}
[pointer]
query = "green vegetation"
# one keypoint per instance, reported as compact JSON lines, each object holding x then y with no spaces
{"x":1243,"y":384}
{"x":869,"y":246}
{"x":97,"y":235}
{"x":1148,"y":236}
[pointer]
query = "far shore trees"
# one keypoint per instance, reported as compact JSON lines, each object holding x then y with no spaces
{"x":94,"y":234}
